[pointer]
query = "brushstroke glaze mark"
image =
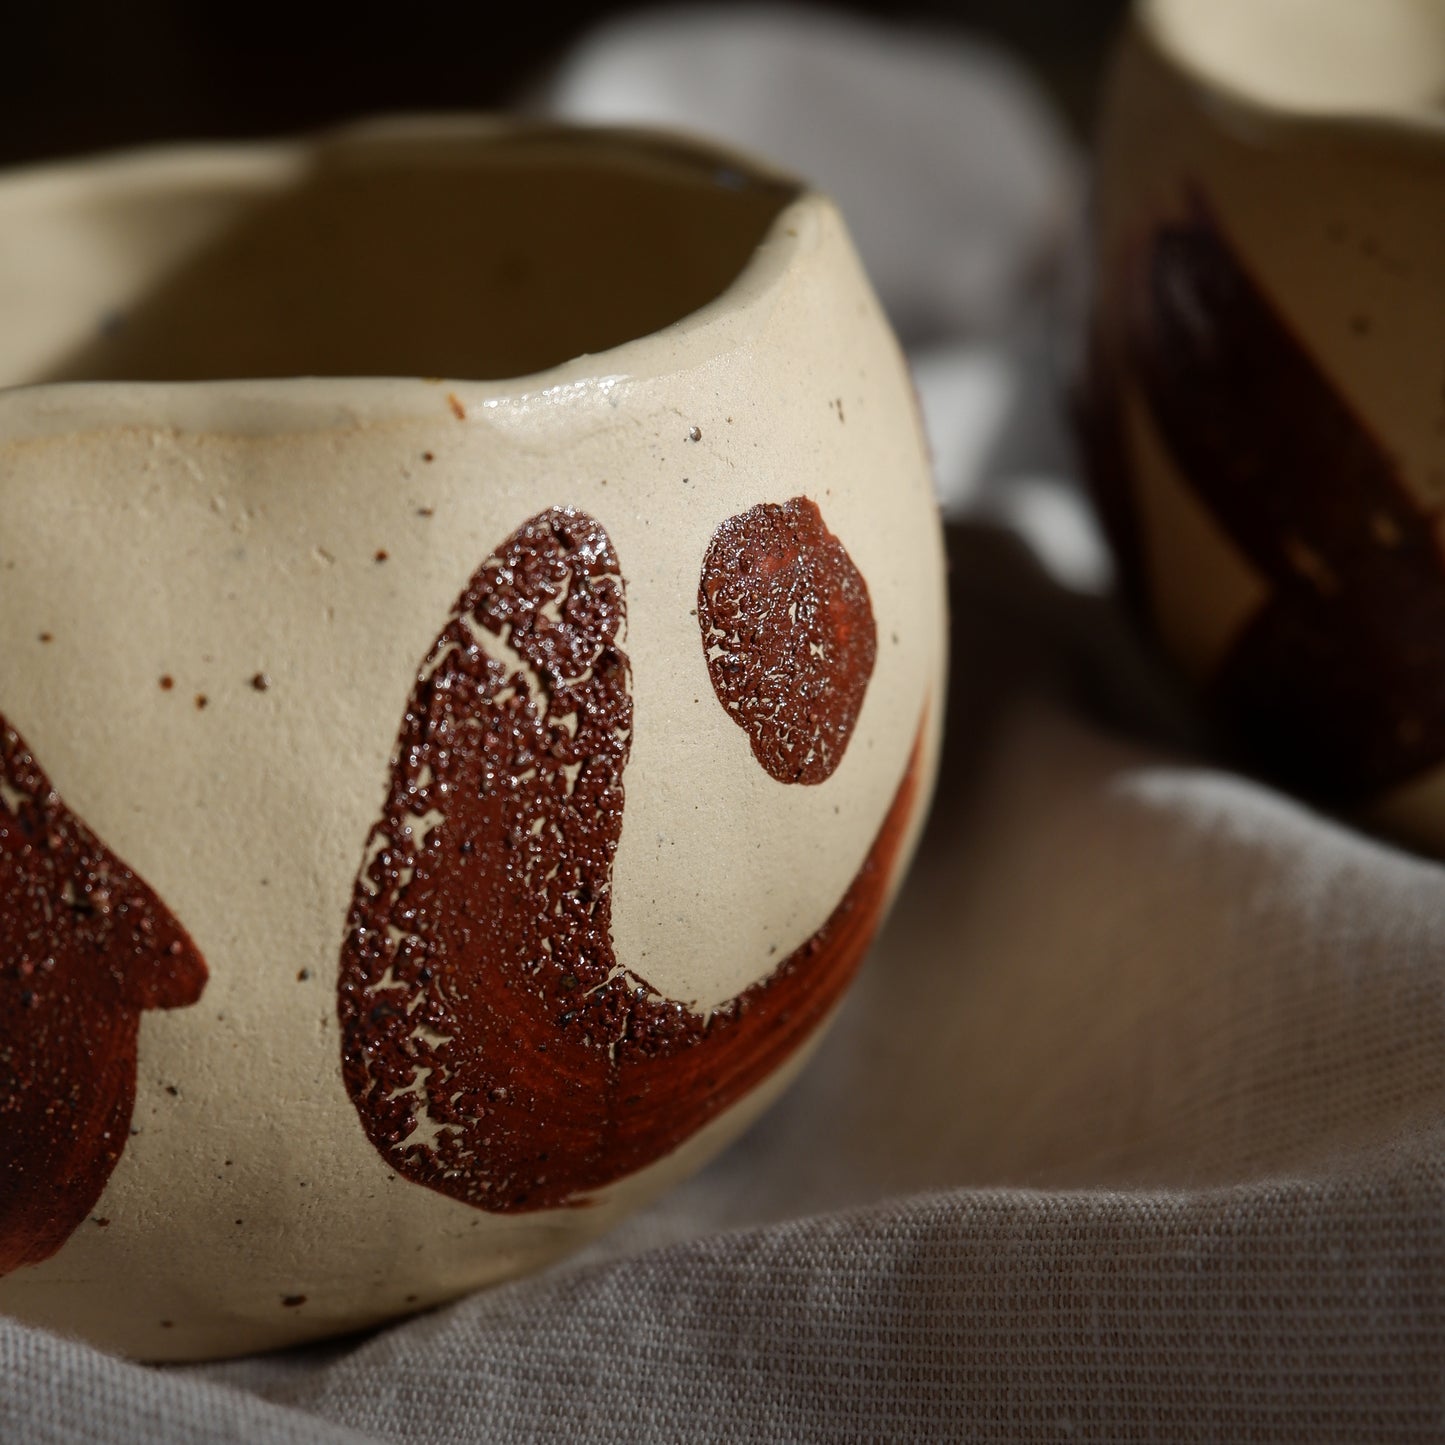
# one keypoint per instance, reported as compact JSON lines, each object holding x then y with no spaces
{"x":1337,"y":683}
{"x":85,"y":946}
{"x":494,"y":1047}
{"x":787,"y":626}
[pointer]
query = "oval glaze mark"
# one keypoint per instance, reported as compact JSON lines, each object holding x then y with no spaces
{"x":495,"y":1049}
{"x":85,"y":946}
{"x":787,"y":626}
{"x":1337,"y":683}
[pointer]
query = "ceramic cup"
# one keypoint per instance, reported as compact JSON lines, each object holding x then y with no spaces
{"x":435,"y":814}
{"x":1266,"y":388}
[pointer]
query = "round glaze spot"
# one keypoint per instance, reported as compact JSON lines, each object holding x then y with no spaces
{"x":788,"y":630}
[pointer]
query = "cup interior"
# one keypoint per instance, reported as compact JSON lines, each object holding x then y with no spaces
{"x":1331,"y":57}
{"x":474,"y":256}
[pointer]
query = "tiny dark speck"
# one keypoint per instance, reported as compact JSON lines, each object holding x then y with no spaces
{"x":694,"y":434}
{"x":167,"y":683}
{"x":47,"y":637}
{"x":293,"y":1301}
{"x":303,"y":975}
{"x":428,"y":456}
{"x":174,"y":1092}
{"x":168,"y":1324}
{"x":103,"y":1223}
{"x":382,"y":554}
{"x":425,"y":511}
{"x":202,"y":702}
{"x":411,"y":1299}
{"x":261,"y":682}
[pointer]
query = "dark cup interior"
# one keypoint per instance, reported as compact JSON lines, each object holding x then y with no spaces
{"x":472,"y":256}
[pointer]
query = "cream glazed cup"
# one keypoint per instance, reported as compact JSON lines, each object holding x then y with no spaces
{"x":436,"y":815}
{"x":1267,"y":379}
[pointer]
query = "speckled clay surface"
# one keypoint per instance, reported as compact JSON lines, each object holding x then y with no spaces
{"x":376,"y":759}
{"x":1267,"y":378}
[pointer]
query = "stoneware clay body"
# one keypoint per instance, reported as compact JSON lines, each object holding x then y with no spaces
{"x":1266,"y":387}
{"x":435,"y":815}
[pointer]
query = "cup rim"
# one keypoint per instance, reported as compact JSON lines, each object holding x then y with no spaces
{"x":264,"y":403}
{"x":1417,"y":127}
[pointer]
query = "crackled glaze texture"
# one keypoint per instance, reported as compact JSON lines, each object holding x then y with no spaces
{"x":788,"y":630}
{"x":496,"y":1049}
{"x":85,"y":946}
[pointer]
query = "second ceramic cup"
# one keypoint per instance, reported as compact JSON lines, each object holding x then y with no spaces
{"x":1266,"y":393}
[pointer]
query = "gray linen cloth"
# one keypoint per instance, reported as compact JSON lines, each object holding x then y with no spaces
{"x":1134,"y":1125}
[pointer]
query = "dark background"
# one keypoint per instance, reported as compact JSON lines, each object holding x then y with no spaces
{"x":86,"y":75}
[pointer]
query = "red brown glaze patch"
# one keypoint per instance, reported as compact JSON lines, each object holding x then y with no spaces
{"x":788,"y":630}
{"x":1337,"y":684}
{"x":85,"y":946}
{"x":493,"y":1046}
